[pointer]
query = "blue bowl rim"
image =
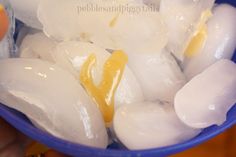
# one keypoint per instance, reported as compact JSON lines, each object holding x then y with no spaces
{"x":77,"y":149}
{"x":20,"y":122}
{"x":85,"y":151}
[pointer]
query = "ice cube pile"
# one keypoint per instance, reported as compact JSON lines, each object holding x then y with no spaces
{"x":154,"y":73}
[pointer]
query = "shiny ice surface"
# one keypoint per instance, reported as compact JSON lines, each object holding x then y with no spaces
{"x":207,"y":98}
{"x":53,"y":100}
{"x":37,"y":46}
{"x":158,"y":73}
{"x":182,"y":18}
{"x":73,"y":20}
{"x":150,"y":125}
{"x":220,"y":44}
{"x":72,"y":55}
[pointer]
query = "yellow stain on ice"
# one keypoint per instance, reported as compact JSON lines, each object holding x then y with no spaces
{"x":197,"y":42}
{"x":199,"y":39}
{"x":104,"y":93}
{"x":114,"y":21}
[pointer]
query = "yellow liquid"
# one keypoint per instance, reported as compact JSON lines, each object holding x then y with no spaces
{"x":104,"y":93}
{"x":200,"y":37}
{"x":197,"y":42}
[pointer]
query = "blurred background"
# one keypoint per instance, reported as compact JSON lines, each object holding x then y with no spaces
{"x":224,"y":145}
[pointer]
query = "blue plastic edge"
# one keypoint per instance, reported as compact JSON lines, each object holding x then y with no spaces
{"x":20,"y":122}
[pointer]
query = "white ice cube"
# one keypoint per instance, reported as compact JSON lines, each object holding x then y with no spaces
{"x":207,"y":98}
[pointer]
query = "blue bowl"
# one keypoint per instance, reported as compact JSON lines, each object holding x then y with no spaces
{"x":20,"y":122}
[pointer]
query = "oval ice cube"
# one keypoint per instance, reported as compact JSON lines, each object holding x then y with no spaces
{"x":149,"y":125}
{"x":183,"y":18}
{"x":53,"y":100}
{"x":158,"y":74}
{"x":116,"y":29}
{"x":207,"y":98}
{"x":72,"y":55}
{"x":220,"y":43}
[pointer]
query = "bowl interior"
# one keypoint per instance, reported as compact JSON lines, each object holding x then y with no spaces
{"x":19,"y":121}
